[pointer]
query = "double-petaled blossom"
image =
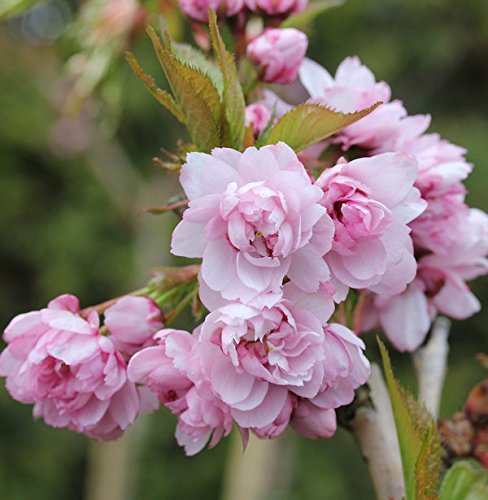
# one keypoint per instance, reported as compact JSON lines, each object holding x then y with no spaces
{"x":254,"y":217}
{"x":371,"y":200}
{"x":353,"y":88}
{"x":261,"y":363}
{"x":132,"y":322}
{"x":256,"y":367}
{"x":172,"y":371}
{"x":442,"y":168}
{"x":278,"y":54}
{"x":75,"y":377}
{"x":198,"y":9}
{"x":276,"y":7}
{"x":440,"y":286}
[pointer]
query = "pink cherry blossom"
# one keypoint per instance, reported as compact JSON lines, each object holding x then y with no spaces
{"x":280,"y":423}
{"x":353,"y":88}
{"x":371,"y":200}
{"x":277,"y":7}
{"x":172,"y":371}
{"x":440,"y":286}
{"x":252,"y":357}
{"x":57,"y":359}
{"x":442,"y":168}
{"x":254,"y":360}
{"x":313,"y":422}
{"x":257,"y":117}
{"x":132,"y":321}
{"x":278,"y":54}
{"x":161,"y":368}
{"x":254,"y":217}
{"x":198,"y":9}
{"x":345,"y":367}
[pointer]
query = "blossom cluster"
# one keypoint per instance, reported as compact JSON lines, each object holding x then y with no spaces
{"x":197,"y":10}
{"x":75,"y":374}
{"x":440,"y":243}
{"x":301,"y":253}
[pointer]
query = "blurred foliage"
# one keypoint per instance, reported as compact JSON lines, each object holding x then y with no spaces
{"x":60,"y":231}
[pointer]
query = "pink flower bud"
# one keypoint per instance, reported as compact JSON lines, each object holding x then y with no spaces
{"x":257,"y":117}
{"x":277,"y":7}
{"x":278,"y":54}
{"x":198,"y":9}
{"x":132,"y":321}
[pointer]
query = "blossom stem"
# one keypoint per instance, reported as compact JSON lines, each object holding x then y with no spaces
{"x":165,"y":208}
{"x":358,"y":316}
{"x":179,"y":308}
{"x":100,"y":308}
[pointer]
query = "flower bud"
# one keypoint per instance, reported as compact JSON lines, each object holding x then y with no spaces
{"x":132,"y":321}
{"x":257,"y":117}
{"x":278,"y":54}
{"x":198,"y":9}
{"x":277,"y":7}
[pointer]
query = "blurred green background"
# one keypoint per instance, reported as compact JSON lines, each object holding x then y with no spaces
{"x":71,"y":191}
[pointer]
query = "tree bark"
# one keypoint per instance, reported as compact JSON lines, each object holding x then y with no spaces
{"x":430,"y":363}
{"x":374,"y":430}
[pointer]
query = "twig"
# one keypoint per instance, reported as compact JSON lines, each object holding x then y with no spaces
{"x":375,"y":432}
{"x":430,"y":365}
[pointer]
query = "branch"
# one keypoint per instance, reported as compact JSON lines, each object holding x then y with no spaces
{"x":375,"y":432}
{"x":430,"y":365}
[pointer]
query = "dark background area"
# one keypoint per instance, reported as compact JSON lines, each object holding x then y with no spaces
{"x":68,"y":223}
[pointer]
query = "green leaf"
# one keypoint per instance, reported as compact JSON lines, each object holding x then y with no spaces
{"x":307,"y":124}
{"x":11,"y":8}
{"x":161,"y":95}
{"x":417,"y":436}
{"x":197,"y":59}
{"x":428,"y":465}
{"x":195,"y":94}
{"x":234,"y":103}
{"x":304,"y":18}
{"x":465,"y":480}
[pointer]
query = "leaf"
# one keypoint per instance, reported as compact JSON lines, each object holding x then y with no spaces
{"x":161,"y":95}
{"x":465,"y":480}
{"x":11,"y":8}
{"x":234,"y":103}
{"x":196,"y":58}
{"x":304,"y":18}
{"x":417,"y":436}
{"x":308,"y":123}
{"x":428,"y":465}
{"x":195,"y":93}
